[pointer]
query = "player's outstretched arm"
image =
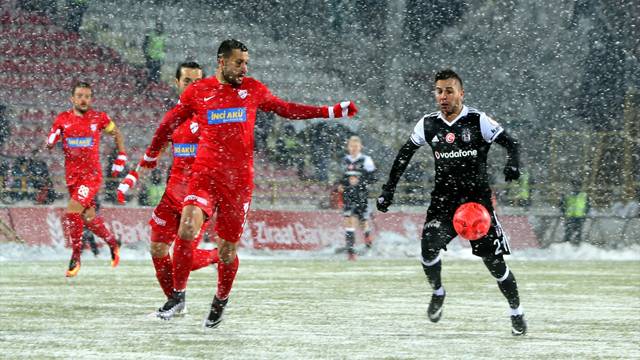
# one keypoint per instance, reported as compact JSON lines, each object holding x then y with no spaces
{"x":512,"y":167}
{"x":397,"y":169}
{"x":129,"y":181}
{"x":295,"y":111}
{"x":171,"y":120}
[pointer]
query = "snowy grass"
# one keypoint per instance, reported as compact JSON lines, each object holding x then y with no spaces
{"x":322,"y":309}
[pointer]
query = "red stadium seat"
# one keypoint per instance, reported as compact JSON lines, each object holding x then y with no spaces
{"x":37,"y":71}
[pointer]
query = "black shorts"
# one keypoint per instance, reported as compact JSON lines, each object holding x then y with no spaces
{"x":361,"y":212}
{"x":438,"y":229}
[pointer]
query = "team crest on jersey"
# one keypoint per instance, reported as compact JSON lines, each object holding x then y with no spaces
{"x":193,"y":127}
{"x":450,"y":138}
{"x":83,"y":192}
{"x":466,"y":135}
{"x":94,"y":127}
{"x":243,"y":93}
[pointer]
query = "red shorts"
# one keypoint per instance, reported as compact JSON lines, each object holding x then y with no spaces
{"x":228,"y":195}
{"x":84,"y":191}
{"x":165,"y":221}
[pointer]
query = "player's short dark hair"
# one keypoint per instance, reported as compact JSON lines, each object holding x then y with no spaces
{"x":188,"y":65}
{"x":448,"y":74}
{"x":80,"y":84}
{"x":227,"y":46}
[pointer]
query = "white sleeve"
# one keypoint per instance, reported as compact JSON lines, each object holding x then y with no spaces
{"x":489,"y":128}
{"x":418,"y":134}
{"x":368,"y":164}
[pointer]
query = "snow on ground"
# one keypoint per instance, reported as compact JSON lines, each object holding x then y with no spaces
{"x":322,"y":309}
{"x":387,"y":246}
{"x":581,"y":303}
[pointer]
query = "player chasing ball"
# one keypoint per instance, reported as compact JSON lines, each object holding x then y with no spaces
{"x":79,"y":129}
{"x":221,"y":180}
{"x":165,"y":219}
{"x":460,"y":138}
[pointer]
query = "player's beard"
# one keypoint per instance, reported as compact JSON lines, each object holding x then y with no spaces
{"x":234,"y":80}
{"x":450,"y":109}
{"x":82,"y":108}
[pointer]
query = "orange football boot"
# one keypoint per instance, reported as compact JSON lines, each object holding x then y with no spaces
{"x":74,"y":267}
{"x":115,"y":256}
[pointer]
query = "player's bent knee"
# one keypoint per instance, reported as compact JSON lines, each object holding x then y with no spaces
{"x":430,"y":259}
{"x":187,"y":232}
{"x":75,"y":207}
{"x":350,"y":222}
{"x":190,"y":222}
{"x":430,"y":256}
{"x":89,"y":214}
{"x":159,"y":250}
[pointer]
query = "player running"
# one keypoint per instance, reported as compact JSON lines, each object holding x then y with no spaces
{"x":80,"y":129}
{"x":460,"y":138}
{"x":166,"y":216}
{"x":358,"y":173}
{"x":221,"y":179}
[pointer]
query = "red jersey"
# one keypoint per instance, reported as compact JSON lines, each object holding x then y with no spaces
{"x":81,"y":142}
{"x":227,"y":116}
{"x":184,"y":148}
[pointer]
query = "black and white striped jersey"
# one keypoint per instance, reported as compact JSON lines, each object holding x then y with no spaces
{"x":361,"y":166}
{"x":460,"y":150}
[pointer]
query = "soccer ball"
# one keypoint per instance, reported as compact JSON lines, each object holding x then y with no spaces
{"x":471,"y":221}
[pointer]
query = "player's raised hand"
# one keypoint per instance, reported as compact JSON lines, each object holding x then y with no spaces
{"x":148,"y":161}
{"x":342,"y":109}
{"x":118,"y":164}
{"x":127,"y":184}
{"x":385,"y":199}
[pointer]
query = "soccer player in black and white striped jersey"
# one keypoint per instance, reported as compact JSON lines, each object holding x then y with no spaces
{"x":460,"y":138}
{"x":359,"y":172}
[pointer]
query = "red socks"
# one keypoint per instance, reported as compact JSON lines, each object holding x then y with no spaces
{"x":97,"y":227}
{"x":226,"y":275}
{"x":203,"y":258}
{"x":164,"y":267}
{"x":174,"y":273}
{"x":73,"y":225}
{"x":182,"y":263}
{"x":164,"y":273}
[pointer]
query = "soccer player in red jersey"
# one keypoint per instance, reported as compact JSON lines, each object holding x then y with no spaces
{"x":166,"y":216}
{"x":222,"y":176}
{"x":80,"y":129}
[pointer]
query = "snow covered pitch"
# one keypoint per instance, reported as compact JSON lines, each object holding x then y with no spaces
{"x":322,"y":309}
